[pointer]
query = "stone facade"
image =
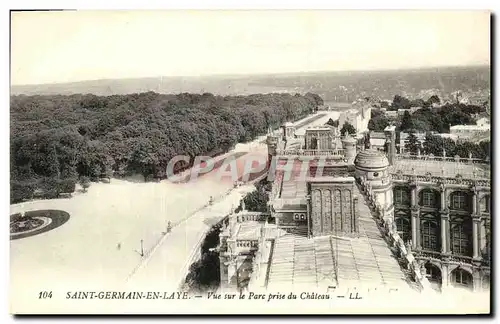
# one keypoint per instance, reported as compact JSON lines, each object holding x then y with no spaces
{"x":447,"y":222}
{"x":332,"y":206}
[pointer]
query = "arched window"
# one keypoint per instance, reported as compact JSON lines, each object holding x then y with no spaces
{"x":484,"y":204}
{"x":459,"y":200}
{"x":429,"y":236}
{"x":485,"y":282}
{"x":314,"y":143}
{"x":460,"y":239}
{"x":401,"y":196}
{"x":433,"y":273}
{"x":462,"y":277}
{"x":403,"y":228}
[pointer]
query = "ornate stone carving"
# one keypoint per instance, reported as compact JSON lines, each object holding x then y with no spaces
{"x":327,"y":212}
{"x":316,"y":211}
{"x":337,"y":210}
{"x":346,"y":208}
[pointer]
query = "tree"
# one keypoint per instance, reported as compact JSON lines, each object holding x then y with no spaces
{"x":66,"y":137}
{"x":378,"y":121}
{"x":85,"y":183}
{"x":434,"y":99}
{"x":347,"y":127}
{"x":400,"y":102}
{"x":334,"y":123}
{"x":406,"y":122}
{"x":413,"y":144}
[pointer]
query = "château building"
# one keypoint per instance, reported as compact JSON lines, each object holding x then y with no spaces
{"x":340,"y":214}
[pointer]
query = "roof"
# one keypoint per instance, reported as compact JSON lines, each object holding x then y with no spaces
{"x":330,"y":179}
{"x":420,"y":136}
{"x":369,"y":159}
{"x":441,"y":168}
{"x":374,"y":134}
{"x":300,"y":132}
{"x":288,"y":124}
{"x":311,"y":263}
{"x":470,"y":127}
{"x":377,"y":141}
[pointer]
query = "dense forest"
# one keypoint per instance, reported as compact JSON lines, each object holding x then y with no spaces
{"x":56,"y":140}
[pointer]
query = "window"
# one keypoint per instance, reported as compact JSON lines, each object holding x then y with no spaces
{"x":314,"y":143}
{"x":459,"y":200}
{"x":428,"y":198}
{"x":429,"y":235}
{"x":375,"y":174}
{"x":484,"y":204}
{"x":485,"y":282}
{"x":401,"y":196}
{"x":433,"y":273}
{"x":460,"y":240}
{"x":403,"y":228}
{"x":462,"y":277}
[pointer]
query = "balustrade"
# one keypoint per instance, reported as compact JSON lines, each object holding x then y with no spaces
{"x":440,"y":180}
{"x":246,"y":217}
{"x":247,"y":244}
{"x":336,"y":152}
{"x":440,"y":158}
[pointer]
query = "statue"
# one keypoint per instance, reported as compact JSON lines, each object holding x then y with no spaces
{"x":169,"y":227}
{"x":388,"y":224}
{"x":408,"y":246}
{"x":423,"y":271}
{"x":243,"y":206}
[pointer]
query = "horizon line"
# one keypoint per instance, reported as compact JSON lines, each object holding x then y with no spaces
{"x":234,"y":75}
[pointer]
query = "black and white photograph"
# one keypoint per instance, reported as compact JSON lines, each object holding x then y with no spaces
{"x":333,"y":162}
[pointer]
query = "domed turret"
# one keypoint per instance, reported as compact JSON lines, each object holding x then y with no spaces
{"x":373,"y":167}
{"x":371,"y":160}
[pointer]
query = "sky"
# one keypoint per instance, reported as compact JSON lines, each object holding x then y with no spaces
{"x":54,"y":47}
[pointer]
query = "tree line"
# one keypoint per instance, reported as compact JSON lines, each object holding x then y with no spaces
{"x":55,"y":140}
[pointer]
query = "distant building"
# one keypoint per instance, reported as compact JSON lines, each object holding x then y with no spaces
{"x":358,"y":116}
{"x":483,"y":122}
{"x":447,"y":135}
{"x":414,"y":109}
{"x":470,"y":132}
{"x":401,"y":112}
{"x":391,"y":114}
{"x":377,"y":140}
